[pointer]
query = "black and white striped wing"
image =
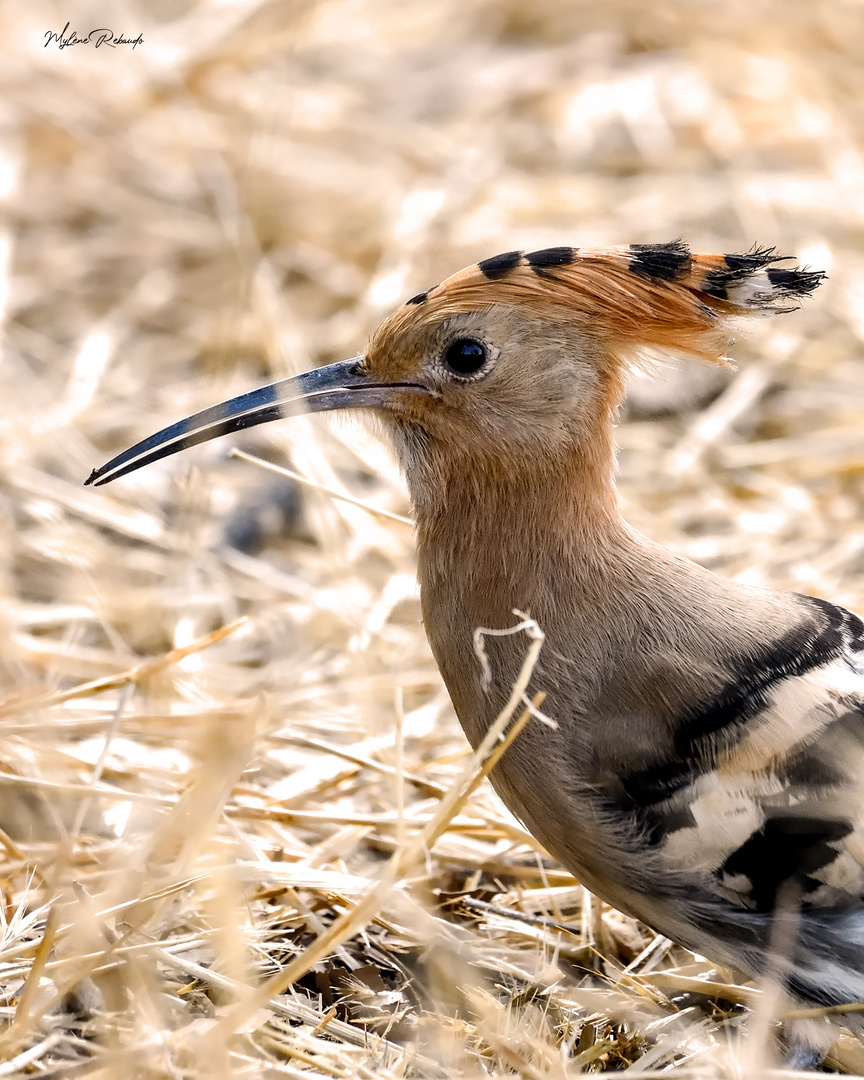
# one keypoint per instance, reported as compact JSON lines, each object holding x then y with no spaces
{"x":779,"y":814}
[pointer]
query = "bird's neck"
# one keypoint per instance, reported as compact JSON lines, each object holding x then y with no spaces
{"x":545,"y":541}
{"x":500,"y":532}
{"x":548,"y":542}
{"x":634,"y":637}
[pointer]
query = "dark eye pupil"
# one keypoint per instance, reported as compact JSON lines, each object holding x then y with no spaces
{"x":465,"y":356}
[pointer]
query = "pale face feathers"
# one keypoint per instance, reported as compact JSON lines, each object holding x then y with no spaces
{"x":538,"y":387}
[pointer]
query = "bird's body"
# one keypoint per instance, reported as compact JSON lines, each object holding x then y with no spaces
{"x":701,"y":772}
{"x":704,"y":770}
{"x":708,"y":752}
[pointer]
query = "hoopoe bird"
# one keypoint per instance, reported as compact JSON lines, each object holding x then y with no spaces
{"x":704,"y":770}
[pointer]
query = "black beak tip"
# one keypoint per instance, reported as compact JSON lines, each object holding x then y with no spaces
{"x":320,"y":390}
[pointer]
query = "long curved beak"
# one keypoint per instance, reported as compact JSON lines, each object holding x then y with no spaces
{"x":343,"y":385}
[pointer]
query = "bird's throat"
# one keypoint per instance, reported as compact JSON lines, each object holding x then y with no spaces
{"x":511,"y":533}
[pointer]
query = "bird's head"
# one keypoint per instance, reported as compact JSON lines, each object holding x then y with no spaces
{"x":519,"y":357}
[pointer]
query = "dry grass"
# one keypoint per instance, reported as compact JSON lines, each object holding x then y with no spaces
{"x":227,"y":755}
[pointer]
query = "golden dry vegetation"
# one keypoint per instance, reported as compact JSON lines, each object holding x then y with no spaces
{"x":234,"y":837}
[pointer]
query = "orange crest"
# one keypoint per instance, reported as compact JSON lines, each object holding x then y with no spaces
{"x":643,"y":295}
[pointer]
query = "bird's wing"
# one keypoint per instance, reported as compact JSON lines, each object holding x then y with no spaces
{"x":779,"y":815}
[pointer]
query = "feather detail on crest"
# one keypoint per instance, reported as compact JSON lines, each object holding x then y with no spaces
{"x":644,"y":295}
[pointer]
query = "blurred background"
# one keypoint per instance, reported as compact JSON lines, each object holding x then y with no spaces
{"x":189,"y":801}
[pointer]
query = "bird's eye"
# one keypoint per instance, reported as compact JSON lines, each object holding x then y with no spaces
{"x":465,"y":356}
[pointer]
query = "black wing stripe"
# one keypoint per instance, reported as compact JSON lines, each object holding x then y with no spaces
{"x":748,"y":692}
